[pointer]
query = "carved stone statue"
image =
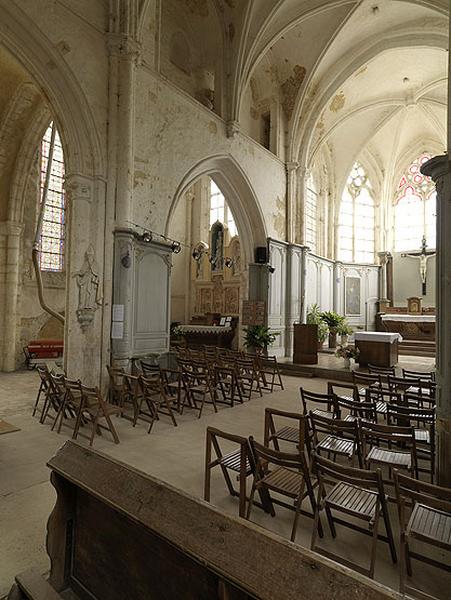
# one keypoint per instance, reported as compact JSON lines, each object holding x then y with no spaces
{"x":89,"y":292}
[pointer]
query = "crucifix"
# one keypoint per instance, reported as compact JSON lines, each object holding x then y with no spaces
{"x":423,"y":257}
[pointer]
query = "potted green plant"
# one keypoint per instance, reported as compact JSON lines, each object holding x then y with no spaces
{"x":347,"y":352}
{"x":313,"y":317}
{"x":344,"y":330}
{"x":258,"y":338}
{"x":332,"y":320}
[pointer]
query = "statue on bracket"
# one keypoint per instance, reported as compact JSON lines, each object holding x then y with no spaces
{"x":217,"y":246}
{"x":89,"y":293}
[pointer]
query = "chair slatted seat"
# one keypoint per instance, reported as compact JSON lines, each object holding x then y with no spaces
{"x":390,"y":457}
{"x":378,"y":442}
{"x":353,"y":500}
{"x":341,"y":438}
{"x":424,"y":512}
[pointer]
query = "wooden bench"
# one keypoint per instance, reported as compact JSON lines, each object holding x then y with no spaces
{"x":38,"y":352}
{"x":116,"y":533}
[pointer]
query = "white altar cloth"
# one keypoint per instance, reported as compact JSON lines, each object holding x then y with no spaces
{"x":408,"y":318}
{"x":377,"y":336}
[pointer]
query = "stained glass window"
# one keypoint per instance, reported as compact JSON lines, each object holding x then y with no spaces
{"x":415,"y":209}
{"x":356,"y":239}
{"x":219,"y":210}
{"x":311,"y":215}
{"x":51,"y":256}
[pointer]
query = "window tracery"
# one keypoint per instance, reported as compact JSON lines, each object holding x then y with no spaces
{"x":51,"y":255}
{"x":219,"y":210}
{"x":356,"y":231}
{"x":415,"y":208}
{"x":311,"y":215}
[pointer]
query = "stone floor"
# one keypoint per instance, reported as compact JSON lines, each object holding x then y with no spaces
{"x":174,"y":454}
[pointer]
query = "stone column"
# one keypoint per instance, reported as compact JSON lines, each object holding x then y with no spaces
{"x":292,"y":200}
{"x":85,"y":346}
{"x":124,"y":56}
{"x":439,"y":169}
{"x":383,"y":280}
{"x":13,"y":231}
{"x":302,"y":177}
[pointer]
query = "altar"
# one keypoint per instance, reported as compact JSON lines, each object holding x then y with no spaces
{"x":377,"y":348}
{"x":411,"y":326}
{"x":207,"y":335}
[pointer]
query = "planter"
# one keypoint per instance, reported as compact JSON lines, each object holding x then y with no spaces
{"x":347,"y":363}
{"x":332,"y":340}
{"x":344,"y":340}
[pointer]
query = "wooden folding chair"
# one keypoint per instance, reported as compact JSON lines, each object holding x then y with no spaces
{"x":248,"y":377}
{"x":154,"y":395}
{"x":54,"y":397}
{"x":356,"y":409}
{"x":239,"y":461}
{"x":43,"y":387}
{"x":269,"y":371}
{"x":364,"y":381}
{"x":429,"y":522}
{"x":358,"y":494}
{"x":198,"y":386}
{"x":132,"y":395}
{"x":116,"y":386}
{"x":285,"y":474}
{"x":424,"y":376}
{"x":336,"y":437}
{"x":94,"y":406}
{"x":325,"y":400}
{"x":70,"y":404}
{"x":227,"y":385}
{"x":377,"y":370}
{"x":286,"y":433}
{"x":423,"y":421}
{"x":400,"y":452}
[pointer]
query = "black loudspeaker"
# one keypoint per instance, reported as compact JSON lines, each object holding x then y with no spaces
{"x":261,"y":255}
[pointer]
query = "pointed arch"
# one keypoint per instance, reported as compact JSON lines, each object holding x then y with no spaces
{"x":240,"y":196}
{"x":59,"y":85}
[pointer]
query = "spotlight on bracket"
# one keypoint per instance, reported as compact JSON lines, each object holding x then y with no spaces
{"x":176,"y":247}
{"x":271,"y":269}
{"x":147,"y":237}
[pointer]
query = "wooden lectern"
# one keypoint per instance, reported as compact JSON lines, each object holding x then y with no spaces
{"x":305,"y":347}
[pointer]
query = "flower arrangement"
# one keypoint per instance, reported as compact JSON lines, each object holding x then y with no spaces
{"x":347,"y":352}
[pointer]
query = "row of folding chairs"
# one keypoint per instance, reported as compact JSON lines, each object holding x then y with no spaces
{"x":381,"y":408}
{"x":343,"y":490}
{"x":68,"y":402}
{"x":266,"y":368}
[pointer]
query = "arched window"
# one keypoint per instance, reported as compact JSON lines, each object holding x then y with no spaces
{"x":219,"y":210}
{"x":356,"y":223}
{"x":311,"y":215}
{"x":51,"y":256}
{"x":415,"y":209}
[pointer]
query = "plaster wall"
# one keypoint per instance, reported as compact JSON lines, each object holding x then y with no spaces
{"x":173,"y":134}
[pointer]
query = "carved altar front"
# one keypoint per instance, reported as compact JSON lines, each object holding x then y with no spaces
{"x":420,"y":327}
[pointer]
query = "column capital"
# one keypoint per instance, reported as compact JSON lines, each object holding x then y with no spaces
{"x":79,"y":187}
{"x":232,"y":128}
{"x":292,"y":165}
{"x":12,"y":228}
{"x":123,"y":46}
{"x":437,"y":167}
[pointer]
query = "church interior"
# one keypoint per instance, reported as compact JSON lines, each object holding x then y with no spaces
{"x":225,"y":299}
